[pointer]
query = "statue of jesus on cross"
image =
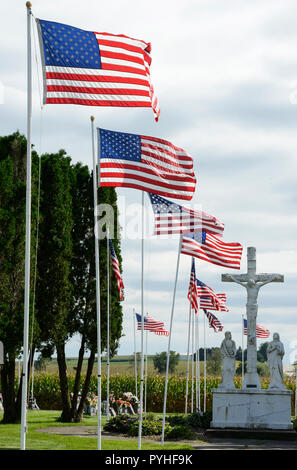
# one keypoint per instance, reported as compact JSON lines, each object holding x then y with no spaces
{"x":252,"y":282}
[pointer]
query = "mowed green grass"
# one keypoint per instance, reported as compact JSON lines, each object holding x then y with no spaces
{"x":10,"y":436}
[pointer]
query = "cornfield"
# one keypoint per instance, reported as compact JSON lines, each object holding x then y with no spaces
{"x":48,"y":396}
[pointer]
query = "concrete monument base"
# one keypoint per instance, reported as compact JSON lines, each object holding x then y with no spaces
{"x":251,"y":409}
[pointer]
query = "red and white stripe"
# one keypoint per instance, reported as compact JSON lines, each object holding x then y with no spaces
{"x":207,"y":303}
{"x":187,"y":221}
{"x":162,"y":332}
{"x":261,"y":332}
{"x":214,"y":251}
{"x":117,"y":273}
{"x":192,"y":293}
{"x":124,"y":79}
{"x":150,"y":324}
{"x":164,"y":169}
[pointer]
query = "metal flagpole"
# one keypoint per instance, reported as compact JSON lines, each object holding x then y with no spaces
{"x":242,"y":352}
{"x":197,"y":365}
{"x":108,"y":323}
{"x":204,"y":363}
{"x":98,"y":313}
{"x":135,"y":357}
{"x":169,"y":340}
{"x":28,"y":235}
{"x":192,"y":391}
{"x":145,"y":388}
{"x":142,"y":327}
{"x":188,"y":361}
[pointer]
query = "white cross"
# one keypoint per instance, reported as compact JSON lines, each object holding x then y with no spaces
{"x":252,"y":282}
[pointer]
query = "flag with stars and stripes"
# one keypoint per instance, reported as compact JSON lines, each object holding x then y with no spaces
{"x":171,"y":218}
{"x":145,"y":163}
{"x":204,"y":290}
{"x":207,"y":303}
{"x":116,"y":270}
{"x":150,"y":323}
{"x":261,"y":332}
{"x":210,"y":248}
{"x":192,"y":292}
{"x":95,"y":69}
{"x":214,"y":322}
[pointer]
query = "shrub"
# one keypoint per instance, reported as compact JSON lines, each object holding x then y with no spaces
{"x":179,"y":432}
{"x":197,"y":421}
{"x":119,"y":424}
{"x":149,"y":428}
{"x":177,"y":420}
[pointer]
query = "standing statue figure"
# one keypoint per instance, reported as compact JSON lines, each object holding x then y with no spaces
{"x":228,"y":353}
{"x":275,"y":354}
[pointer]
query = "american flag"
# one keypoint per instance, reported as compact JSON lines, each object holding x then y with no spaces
{"x":145,"y":163}
{"x":261,"y":332}
{"x":207,"y":303}
{"x":192,"y":292}
{"x":150,"y":323}
{"x":214,"y":322}
{"x":116,"y":270}
{"x":171,"y":218}
{"x":204,"y":290}
{"x":162,"y":332}
{"x":95,"y":69}
{"x":206,"y":246}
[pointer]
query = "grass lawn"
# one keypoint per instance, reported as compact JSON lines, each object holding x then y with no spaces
{"x":10,"y":436}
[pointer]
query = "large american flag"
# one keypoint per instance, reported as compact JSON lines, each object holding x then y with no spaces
{"x":95,"y":69}
{"x":210,"y":248}
{"x":261,"y":332}
{"x":214,"y":322}
{"x":150,"y":323}
{"x":204,"y":290}
{"x":207,"y":303}
{"x":145,"y":163}
{"x":116,"y":270}
{"x":171,"y":218}
{"x":192,"y":292}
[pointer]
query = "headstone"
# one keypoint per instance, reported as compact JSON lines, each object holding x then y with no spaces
{"x":251,"y":407}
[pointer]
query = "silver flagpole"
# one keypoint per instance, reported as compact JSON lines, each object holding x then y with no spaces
{"x":145,"y":388}
{"x":169,"y":340}
{"x":108,"y":325}
{"x":135,"y":357}
{"x":242,"y":352}
{"x":188,"y":361}
{"x":142,"y":327}
{"x":204,"y":363}
{"x":28,"y":235}
{"x":192,"y":390}
{"x":197,"y":364}
{"x":98,"y":312}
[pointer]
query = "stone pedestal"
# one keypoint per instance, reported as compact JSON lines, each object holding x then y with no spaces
{"x":251,"y":409}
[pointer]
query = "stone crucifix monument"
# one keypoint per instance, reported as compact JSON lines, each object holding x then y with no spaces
{"x":252,"y":407}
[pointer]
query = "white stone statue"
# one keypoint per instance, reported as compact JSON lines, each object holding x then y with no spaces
{"x":228,"y":353}
{"x":275,"y":354}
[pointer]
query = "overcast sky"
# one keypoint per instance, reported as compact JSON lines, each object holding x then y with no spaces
{"x":225,"y":74}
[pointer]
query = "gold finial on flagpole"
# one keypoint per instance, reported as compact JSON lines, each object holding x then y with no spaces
{"x":28,"y":4}
{"x":92,"y":118}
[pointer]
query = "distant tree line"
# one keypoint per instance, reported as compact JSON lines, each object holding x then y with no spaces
{"x":64,"y":299}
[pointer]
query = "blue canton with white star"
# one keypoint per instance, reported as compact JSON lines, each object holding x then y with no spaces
{"x":120,"y":145}
{"x":199,"y":237}
{"x":66,"y":46}
{"x":163,"y":206}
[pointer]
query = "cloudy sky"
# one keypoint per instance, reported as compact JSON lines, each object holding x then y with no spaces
{"x":225,"y":74}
